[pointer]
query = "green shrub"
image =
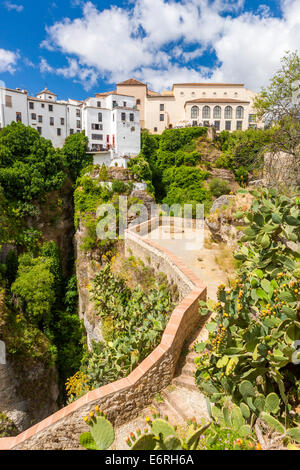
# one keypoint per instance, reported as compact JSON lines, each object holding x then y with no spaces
{"x":219,"y":187}
{"x":119,"y":187}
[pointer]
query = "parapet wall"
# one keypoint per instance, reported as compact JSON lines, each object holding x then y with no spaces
{"x":124,"y":399}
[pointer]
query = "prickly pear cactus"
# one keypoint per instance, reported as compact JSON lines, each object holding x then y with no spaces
{"x":163,"y":436}
{"x":101,"y":435}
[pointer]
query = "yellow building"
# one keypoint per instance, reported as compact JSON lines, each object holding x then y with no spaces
{"x":227,"y":106}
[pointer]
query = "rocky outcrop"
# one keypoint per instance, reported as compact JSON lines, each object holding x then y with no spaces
{"x":27,"y":394}
{"x":223,"y":226}
{"x":281,"y":169}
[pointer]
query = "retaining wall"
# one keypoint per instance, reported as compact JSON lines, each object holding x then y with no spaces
{"x":124,"y":399}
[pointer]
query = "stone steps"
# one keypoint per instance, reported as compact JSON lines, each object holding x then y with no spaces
{"x":188,"y":369}
{"x":186,"y":382}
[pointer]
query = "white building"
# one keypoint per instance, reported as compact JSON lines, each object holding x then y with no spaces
{"x":110,"y":121}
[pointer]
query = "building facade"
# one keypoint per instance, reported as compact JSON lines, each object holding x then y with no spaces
{"x":226,"y":106}
{"x":110,"y":121}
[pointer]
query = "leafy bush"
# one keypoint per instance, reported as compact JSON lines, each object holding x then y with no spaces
{"x":184,"y":184}
{"x":35,"y":288}
{"x":243,"y":148}
{"x":249,"y":357}
{"x":219,"y":187}
{"x":119,"y":186}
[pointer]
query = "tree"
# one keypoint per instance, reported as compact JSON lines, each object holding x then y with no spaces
{"x":29,"y":165}
{"x":279,"y":105}
{"x":35,"y":288}
{"x":74,"y":154}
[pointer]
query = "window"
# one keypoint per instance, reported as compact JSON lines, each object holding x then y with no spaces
{"x":97,"y":127}
{"x":181,"y":93}
{"x":124,"y":104}
{"x":78,"y":113}
{"x":217,"y":112}
{"x":39,"y":129}
{"x":161,"y":107}
{"x":195,"y":123}
{"x":252,"y":117}
{"x":217,"y":125}
{"x":193,"y":93}
{"x":62,"y":121}
{"x":50,"y":106}
{"x":123,"y":116}
{"x":115,"y":104}
{"x":239,"y":112}
{"x":228,"y":125}
{"x":99,"y":104}
{"x":131,"y":117}
{"x":52,"y":121}
{"x":107,"y":139}
{"x":58,"y":131}
{"x":71,"y":131}
{"x":97,"y":137}
{"x":49,"y":97}
{"x":78,"y":124}
{"x":33,"y":116}
{"x":43,"y":105}
{"x":18,"y":117}
{"x":138,"y":101}
{"x":194,"y":112}
{"x":155,"y":129}
{"x":206,"y":112}
{"x":99,"y":117}
{"x":228,"y":112}
{"x":161,"y":117}
{"x":239,"y":125}
{"x":8,"y":101}
{"x":40,"y":118}
{"x":31,"y":105}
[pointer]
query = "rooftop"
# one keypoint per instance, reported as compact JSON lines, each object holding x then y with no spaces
{"x":46,"y":91}
{"x":131,"y":81}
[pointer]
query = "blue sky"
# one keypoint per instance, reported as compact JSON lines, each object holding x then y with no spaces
{"x":78,"y":48}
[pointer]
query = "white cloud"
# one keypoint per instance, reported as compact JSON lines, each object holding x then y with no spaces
{"x":13,"y":6}
{"x":84,"y":75}
{"x":159,"y":41}
{"x":8,"y":61}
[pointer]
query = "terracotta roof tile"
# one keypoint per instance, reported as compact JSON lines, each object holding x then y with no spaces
{"x":46,"y":91}
{"x":131,"y":81}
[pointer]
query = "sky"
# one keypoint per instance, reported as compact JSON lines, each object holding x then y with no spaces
{"x":77,"y":48}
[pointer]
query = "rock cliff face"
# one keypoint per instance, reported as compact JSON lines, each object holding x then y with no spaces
{"x":29,"y":394}
{"x":88,"y":263}
{"x":55,"y":220}
{"x":87,"y":266}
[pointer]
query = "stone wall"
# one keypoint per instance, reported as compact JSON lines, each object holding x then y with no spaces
{"x":124,"y":399}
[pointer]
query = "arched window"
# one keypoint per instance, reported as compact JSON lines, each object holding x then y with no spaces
{"x":228,"y":112}
{"x":217,"y":112}
{"x":206,"y":112}
{"x":240,"y":112}
{"x":194,"y":112}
